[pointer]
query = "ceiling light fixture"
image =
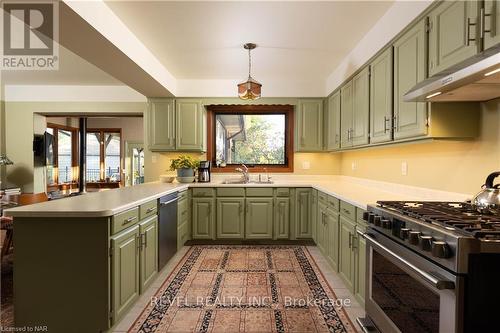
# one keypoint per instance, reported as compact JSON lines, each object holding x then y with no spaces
{"x":250,"y":89}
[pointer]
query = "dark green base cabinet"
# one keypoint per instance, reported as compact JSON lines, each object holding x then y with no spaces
{"x":259,"y":218}
{"x":230,"y":218}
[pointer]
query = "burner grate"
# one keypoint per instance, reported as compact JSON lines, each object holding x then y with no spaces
{"x":460,"y":216}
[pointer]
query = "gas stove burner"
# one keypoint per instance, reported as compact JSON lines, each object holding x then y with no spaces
{"x":457,"y":216}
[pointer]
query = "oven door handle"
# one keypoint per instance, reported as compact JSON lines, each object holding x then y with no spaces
{"x":438,"y":283}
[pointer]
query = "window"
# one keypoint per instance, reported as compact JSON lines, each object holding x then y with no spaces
{"x":103,"y":155}
{"x":259,"y":136}
{"x":64,"y":160}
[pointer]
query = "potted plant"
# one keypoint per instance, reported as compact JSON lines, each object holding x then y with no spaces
{"x":185,"y":166}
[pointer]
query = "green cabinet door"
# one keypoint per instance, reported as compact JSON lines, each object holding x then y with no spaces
{"x":381,"y":97}
{"x":282,"y":218}
{"x":309,"y":133}
{"x":259,"y":218}
{"x":230,"y":218}
{"x":346,"y":257}
{"x":161,"y":124}
{"x":321,"y":227}
{"x":410,"y":61}
{"x":492,"y":23}
{"x":332,"y":232}
{"x":346,"y":115}
{"x":314,"y":213}
{"x":453,"y":36}
{"x":332,"y":122}
{"x":125,"y":270}
{"x":189,"y":129}
{"x":303,"y":227}
{"x":360,"y":260}
{"x":203,"y":218}
{"x":149,"y":251}
{"x":360,"y":107}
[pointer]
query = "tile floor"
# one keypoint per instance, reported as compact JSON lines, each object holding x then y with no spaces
{"x":338,"y":286}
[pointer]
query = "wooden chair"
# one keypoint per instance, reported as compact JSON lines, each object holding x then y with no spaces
{"x":6,"y":222}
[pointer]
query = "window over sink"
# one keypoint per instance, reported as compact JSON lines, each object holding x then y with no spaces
{"x":259,"y":136}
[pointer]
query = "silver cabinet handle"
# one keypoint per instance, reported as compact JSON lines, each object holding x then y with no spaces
{"x":439,"y":284}
{"x":149,"y":210}
{"x":144,"y":240}
{"x":130,"y":219}
{"x":169,"y":202}
{"x":482,"y":23}
{"x":386,"y":123}
{"x":467,"y":33}
{"x":350,"y":240}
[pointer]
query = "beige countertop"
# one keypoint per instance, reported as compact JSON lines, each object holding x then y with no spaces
{"x":356,"y":191}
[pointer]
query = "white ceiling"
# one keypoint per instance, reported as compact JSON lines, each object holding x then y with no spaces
{"x":302,"y":41}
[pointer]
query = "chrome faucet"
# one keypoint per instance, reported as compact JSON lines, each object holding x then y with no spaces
{"x":244,"y":172}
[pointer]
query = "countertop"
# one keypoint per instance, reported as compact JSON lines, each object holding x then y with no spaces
{"x":356,"y":191}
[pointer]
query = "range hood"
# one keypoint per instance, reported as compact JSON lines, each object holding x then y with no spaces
{"x":475,"y":79}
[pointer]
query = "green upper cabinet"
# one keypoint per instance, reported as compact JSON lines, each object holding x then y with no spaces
{"x":332,"y":122}
{"x":149,"y":253}
{"x":161,"y":124}
{"x":303,"y":228}
{"x":230,"y":218}
{"x":346,"y":115}
{"x":381,"y":98}
{"x":259,"y":218}
{"x":410,"y":63}
{"x":492,"y":23}
{"x":282,"y":218}
{"x":309,"y":129}
{"x":125,"y":270}
{"x":189,"y":125}
{"x":203,"y":218}
{"x":360,"y":107}
{"x":453,"y":36}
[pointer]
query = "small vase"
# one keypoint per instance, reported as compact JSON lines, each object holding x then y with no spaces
{"x":185,"y":172}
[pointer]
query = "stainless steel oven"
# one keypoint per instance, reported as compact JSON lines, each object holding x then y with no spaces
{"x":407,"y":292}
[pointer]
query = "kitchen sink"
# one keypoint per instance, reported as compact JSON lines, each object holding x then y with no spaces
{"x":242,"y":181}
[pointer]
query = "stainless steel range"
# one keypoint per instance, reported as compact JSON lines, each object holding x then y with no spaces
{"x":432,"y":267}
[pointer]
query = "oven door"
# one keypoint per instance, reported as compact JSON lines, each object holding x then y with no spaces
{"x":406,"y":292}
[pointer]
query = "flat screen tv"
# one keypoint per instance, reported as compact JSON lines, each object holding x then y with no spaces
{"x":43,"y":149}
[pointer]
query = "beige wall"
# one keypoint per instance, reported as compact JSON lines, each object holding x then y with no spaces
{"x":456,"y":166}
{"x":21,"y":124}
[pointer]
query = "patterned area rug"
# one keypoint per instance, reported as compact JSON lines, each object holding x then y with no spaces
{"x":245,"y":289}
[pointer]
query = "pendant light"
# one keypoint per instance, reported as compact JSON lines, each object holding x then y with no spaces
{"x":250,"y":89}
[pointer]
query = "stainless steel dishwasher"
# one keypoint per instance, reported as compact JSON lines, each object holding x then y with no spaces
{"x":167,"y":229}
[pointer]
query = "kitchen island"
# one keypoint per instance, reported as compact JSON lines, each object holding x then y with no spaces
{"x":81,"y":262}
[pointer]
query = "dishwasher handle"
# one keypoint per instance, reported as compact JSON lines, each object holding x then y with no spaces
{"x":169,"y":202}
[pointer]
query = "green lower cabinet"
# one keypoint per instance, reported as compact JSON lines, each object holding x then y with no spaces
{"x":314,"y":213}
{"x":360,"y":259}
{"x":321,"y":234}
{"x":259,"y":218}
{"x":282,"y":218}
{"x":149,"y":251}
{"x":332,"y":236}
{"x":125,"y":271}
{"x":303,"y":228}
{"x":346,"y":255}
{"x":203,"y":218}
{"x":230,"y":218}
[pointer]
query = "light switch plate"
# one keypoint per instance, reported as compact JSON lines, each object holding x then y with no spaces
{"x":306,"y":165}
{"x":354,"y":166}
{"x":404,"y":168}
{"x":153,"y":158}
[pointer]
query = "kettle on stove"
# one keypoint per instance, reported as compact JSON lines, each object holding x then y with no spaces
{"x":489,"y":197}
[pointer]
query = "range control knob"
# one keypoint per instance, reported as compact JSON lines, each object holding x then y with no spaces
{"x":386,"y":224}
{"x":376,"y":221}
{"x":440,"y":249}
{"x":413,"y":238}
{"x":404,"y":233}
{"x":365,"y":216}
{"x":425,"y":242}
{"x":371,"y":217}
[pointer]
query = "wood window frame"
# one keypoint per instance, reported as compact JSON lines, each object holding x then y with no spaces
{"x":102,"y":151}
{"x":74,"y":156}
{"x":288,"y":110}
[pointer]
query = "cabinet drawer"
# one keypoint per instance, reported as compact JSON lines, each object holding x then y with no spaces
{"x":333,"y":203}
{"x":348,"y":210}
{"x":259,"y":191}
{"x":124,"y":220}
{"x":183,"y":194}
{"x":182,"y":210}
{"x":148,"y":209}
{"x":230,"y":192}
{"x":359,"y":216}
{"x":322,"y":197}
{"x":282,"y":192}
{"x":203,"y":192}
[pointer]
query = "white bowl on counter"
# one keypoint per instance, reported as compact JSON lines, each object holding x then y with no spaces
{"x":166,"y":178}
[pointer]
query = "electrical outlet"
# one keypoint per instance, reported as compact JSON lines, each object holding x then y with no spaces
{"x":404,"y":168}
{"x":354,"y":165}
{"x":153,"y":158}
{"x":306,"y":165}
